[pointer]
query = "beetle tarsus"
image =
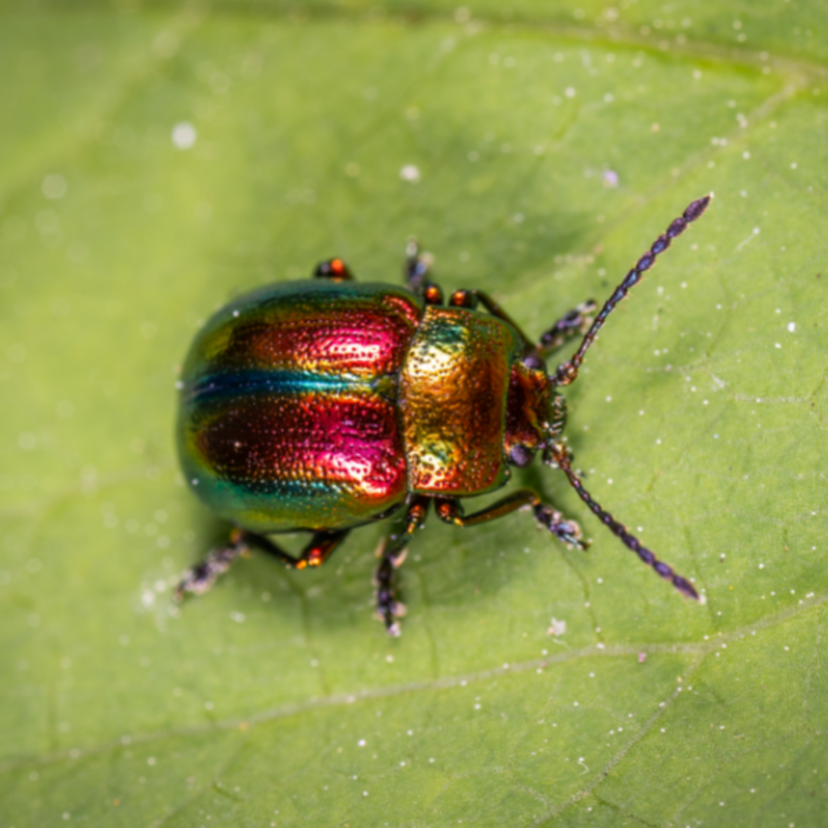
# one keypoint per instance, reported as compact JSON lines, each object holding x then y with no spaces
{"x":566,"y":531}
{"x":391,"y":552}
{"x":202,"y":576}
{"x":399,"y":559}
{"x":388,"y":608}
{"x":577,"y":321}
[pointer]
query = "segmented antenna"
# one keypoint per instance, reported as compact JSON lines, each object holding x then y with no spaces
{"x":568,"y":371}
{"x":561,"y":458}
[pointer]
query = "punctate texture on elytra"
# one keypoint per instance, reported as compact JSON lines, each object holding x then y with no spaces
{"x":288,"y":414}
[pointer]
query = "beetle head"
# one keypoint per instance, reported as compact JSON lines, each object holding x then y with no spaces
{"x":527,"y":410}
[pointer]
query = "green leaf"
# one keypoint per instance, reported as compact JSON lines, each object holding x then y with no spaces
{"x":546,"y":148}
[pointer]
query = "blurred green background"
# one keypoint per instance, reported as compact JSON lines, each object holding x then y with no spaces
{"x":158,"y":159}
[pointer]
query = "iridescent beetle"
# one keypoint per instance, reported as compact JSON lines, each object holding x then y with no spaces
{"x":325,"y":404}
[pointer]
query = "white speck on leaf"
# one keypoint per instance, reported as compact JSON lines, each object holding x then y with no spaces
{"x":556,"y":628}
{"x":184,"y":135}
{"x":410,"y":173}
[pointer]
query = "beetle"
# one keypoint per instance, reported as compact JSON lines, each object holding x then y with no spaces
{"x":325,"y":404}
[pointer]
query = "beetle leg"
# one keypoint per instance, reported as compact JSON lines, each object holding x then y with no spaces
{"x":417,"y":269}
{"x":334,"y":269}
{"x":568,"y":371}
{"x":547,"y":517}
{"x":203,"y":575}
{"x":560,"y":456}
{"x":392,"y":552}
{"x":470,"y":298}
{"x":576,"y":322}
{"x":557,"y":417}
{"x":318,"y":549}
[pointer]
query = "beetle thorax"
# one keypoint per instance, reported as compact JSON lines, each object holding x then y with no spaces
{"x":453,"y":390}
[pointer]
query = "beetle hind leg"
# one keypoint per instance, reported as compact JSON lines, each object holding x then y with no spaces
{"x":202,"y":576}
{"x":389,"y":608}
{"x":318,"y":549}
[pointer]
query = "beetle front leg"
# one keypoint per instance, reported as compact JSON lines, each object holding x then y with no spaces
{"x":546,"y":516}
{"x":392,"y":551}
{"x":470,"y":298}
{"x":576,"y":322}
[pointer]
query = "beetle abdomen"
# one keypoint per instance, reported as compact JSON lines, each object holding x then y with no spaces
{"x":288,"y":414}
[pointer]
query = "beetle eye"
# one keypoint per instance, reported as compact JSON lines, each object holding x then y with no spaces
{"x":534,"y":362}
{"x":520,"y":456}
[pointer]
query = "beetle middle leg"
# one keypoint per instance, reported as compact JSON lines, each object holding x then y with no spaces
{"x":203,"y":575}
{"x":547,"y":517}
{"x":392,"y":553}
{"x":417,"y":271}
{"x":334,"y":269}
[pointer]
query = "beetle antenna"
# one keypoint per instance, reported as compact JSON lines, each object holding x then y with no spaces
{"x":568,"y":371}
{"x":560,"y":456}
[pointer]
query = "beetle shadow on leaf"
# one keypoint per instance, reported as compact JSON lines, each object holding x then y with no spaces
{"x":211,"y":532}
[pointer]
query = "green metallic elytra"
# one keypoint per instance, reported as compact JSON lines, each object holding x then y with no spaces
{"x":241,"y":335}
{"x":288,"y":415}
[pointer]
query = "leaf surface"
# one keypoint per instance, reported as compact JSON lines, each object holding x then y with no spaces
{"x":158,"y":162}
